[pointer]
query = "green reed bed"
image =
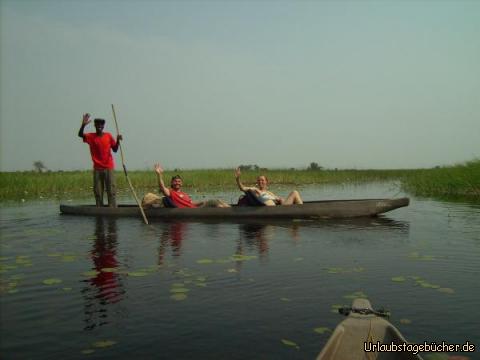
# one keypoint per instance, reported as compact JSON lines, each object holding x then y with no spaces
{"x":72,"y":184}
{"x":27,"y":185}
{"x":459,"y":180}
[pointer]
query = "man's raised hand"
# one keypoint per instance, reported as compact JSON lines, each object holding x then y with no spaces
{"x":86,"y":119}
{"x":158,"y":169}
{"x":237,"y":172}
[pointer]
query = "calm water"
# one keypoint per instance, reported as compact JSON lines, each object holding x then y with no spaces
{"x":87,"y":288}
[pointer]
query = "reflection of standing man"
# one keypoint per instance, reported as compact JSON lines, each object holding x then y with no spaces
{"x":101,"y":143}
{"x":104,"y":288}
{"x":104,"y":256}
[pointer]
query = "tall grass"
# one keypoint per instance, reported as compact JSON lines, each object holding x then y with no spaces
{"x":23,"y":185}
{"x":460,"y":180}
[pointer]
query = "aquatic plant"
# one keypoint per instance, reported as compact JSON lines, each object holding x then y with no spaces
{"x":459,"y":180}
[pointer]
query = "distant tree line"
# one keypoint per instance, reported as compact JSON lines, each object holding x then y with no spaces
{"x":250,"y":167}
{"x":39,"y":166}
{"x":314,"y":166}
{"x":254,"y":167}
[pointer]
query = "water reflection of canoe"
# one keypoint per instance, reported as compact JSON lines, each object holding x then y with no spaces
{"x":364,"y":326}
{"x":328,"y":209}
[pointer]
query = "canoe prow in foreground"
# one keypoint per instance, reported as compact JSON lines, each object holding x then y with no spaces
{"x":362,"y":325}
{"x":327,"y":209}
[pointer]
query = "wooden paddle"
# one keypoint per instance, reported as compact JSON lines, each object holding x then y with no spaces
{"x":125,"y":170}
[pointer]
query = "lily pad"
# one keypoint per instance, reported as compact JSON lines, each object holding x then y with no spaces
{"x":355,"y":295}
{"x":285,"y":299}
{"x":201,"y":284}
{"x":52,"y":281}
{"x":68,"y":258}
{"x":223,"y":261}
{"x":204,"y":261}
{"x":22,"y":261}
{"x":137,"y":273}
{"x":104,"y":343}
{"x":67,"y":289}
{"x":178,"y":290}
{"x":415,"y":255}
{"x":88,"y":351}
{"x":178,"y":297}
{"x":182,"y":272}
{"x":17,"y":277}
{"x":232,"y":270}
{"x":178,"y":285}
{"x":290,"y":343}
{"x":153,"y":268}
{"x":426,"y":284}
{"x":398,"y":279}
{"x":446,"y":290}
{"x":109,"y":269}
{"x":90,"y":273}
{"x":322,"y":330}
{"x":405,"y":321}
{"x":54,"y":255}
{"x":5,"y":267}
{"x":238,"y":257}
{"x":359,"y":269}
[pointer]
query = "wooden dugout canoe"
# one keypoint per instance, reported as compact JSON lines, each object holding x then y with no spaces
{"x":327,"y":209}
{"x":363,"y":325}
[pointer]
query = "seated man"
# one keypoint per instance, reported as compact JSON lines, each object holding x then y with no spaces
{"x":265,"y":197}
{"x":174,"y":197}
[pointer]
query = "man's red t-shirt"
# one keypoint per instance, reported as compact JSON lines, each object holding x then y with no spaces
{"x":100,"y":149}
{"x":181,"y":199}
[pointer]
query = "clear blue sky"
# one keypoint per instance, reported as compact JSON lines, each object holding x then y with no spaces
{"x":357,"y":84}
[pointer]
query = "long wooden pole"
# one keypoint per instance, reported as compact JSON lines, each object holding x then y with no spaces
{"x":125,"y":171}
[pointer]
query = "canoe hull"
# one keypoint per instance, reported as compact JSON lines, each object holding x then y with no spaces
{"x":347,"y":341}
{"x":330,"y":209}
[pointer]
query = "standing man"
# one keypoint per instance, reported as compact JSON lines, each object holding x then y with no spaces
{"x":101,"y":143}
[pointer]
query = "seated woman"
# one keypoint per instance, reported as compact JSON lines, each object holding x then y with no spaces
{"x":175,"y":197}
{"x":264,"y":196}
